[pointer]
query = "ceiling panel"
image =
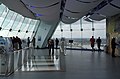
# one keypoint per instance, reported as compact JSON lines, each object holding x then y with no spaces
{"x":116,"y":2}
{"x":18,"y":7}
{"x":46,"y":11}
{"x":39,"y":3}
{"x":97,"y":17}
{"x":88,"y":0}
{"x":79,"y":6}
{"x":50,"y":18}
{"x":75,"y":15}
{"x":49,"y":10}
{"x":78,"y":9}
{"x":67,"y":20}
{"x":109,"y":10}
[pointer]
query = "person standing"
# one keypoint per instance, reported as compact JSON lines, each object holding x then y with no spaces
{"x":98,"y":41}
{"x":57,"y":42}
{"x":28,"y":41}
{"x":92,"y":42}
{"x":113,"y":46}
{"x":33,"y":41}
{"x":15,"y":43}
{"x":51,"y":46}
{"x":19,"y":42}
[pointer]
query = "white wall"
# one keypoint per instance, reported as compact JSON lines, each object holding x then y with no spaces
{"x":44,"y":32}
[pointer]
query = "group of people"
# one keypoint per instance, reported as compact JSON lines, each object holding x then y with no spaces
{"x":92,"y":43}
{"x":16,"y":42}
{"x":51,"y":45}
{"x":98,"y":41}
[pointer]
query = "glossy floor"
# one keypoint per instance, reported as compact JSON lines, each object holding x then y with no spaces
{"x":42,"y":61}
{"x":79,"y":65}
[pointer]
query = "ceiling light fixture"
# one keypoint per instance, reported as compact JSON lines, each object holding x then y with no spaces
{"x":0,"y":28}
{"x":10,"y":30}
{"x":27,"y":31}
{"x":18,"y":30}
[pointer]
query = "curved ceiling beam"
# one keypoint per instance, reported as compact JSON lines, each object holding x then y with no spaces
{"x":39,"y":2}
{"x":43,"y":6}
{"x":116,"y":2}
{"x":87,"y":1}
{"x":79,"y":6}
{"x":101,"y":5}
{"x":114,"y":5}
{"x":74,"y":14}
{"x":79,"y":9}
{"x":71,"y":11}
{"x":105,"y":9}
{"x":108,"y":10}
{"x":46,"y":11}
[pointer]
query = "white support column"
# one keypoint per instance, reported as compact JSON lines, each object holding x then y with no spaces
{"x":44,"y":32}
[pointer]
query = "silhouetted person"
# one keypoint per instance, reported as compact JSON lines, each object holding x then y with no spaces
{"x":92,"y":42}
{"x":113,"y":46}
{"x":57,"y":42}
{"x":33,"y":41}
{"x":12,"y":39}
{"x":28,"y":41}
{"x":98,"y":41}
{"x":19,"y":42}
{"x":15,"y":45}
{"x":48,"y":42}
{"x":51,"y":46}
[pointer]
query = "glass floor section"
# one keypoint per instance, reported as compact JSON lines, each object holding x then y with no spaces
{"x":40,"y":60}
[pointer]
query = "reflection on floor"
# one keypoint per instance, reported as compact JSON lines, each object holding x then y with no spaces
{"x":78,"y":64}
{"x":41,"y":61}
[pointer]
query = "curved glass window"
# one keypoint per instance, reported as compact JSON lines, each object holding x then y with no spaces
{"x":14,"y":24}
{"x":81,"y":37}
